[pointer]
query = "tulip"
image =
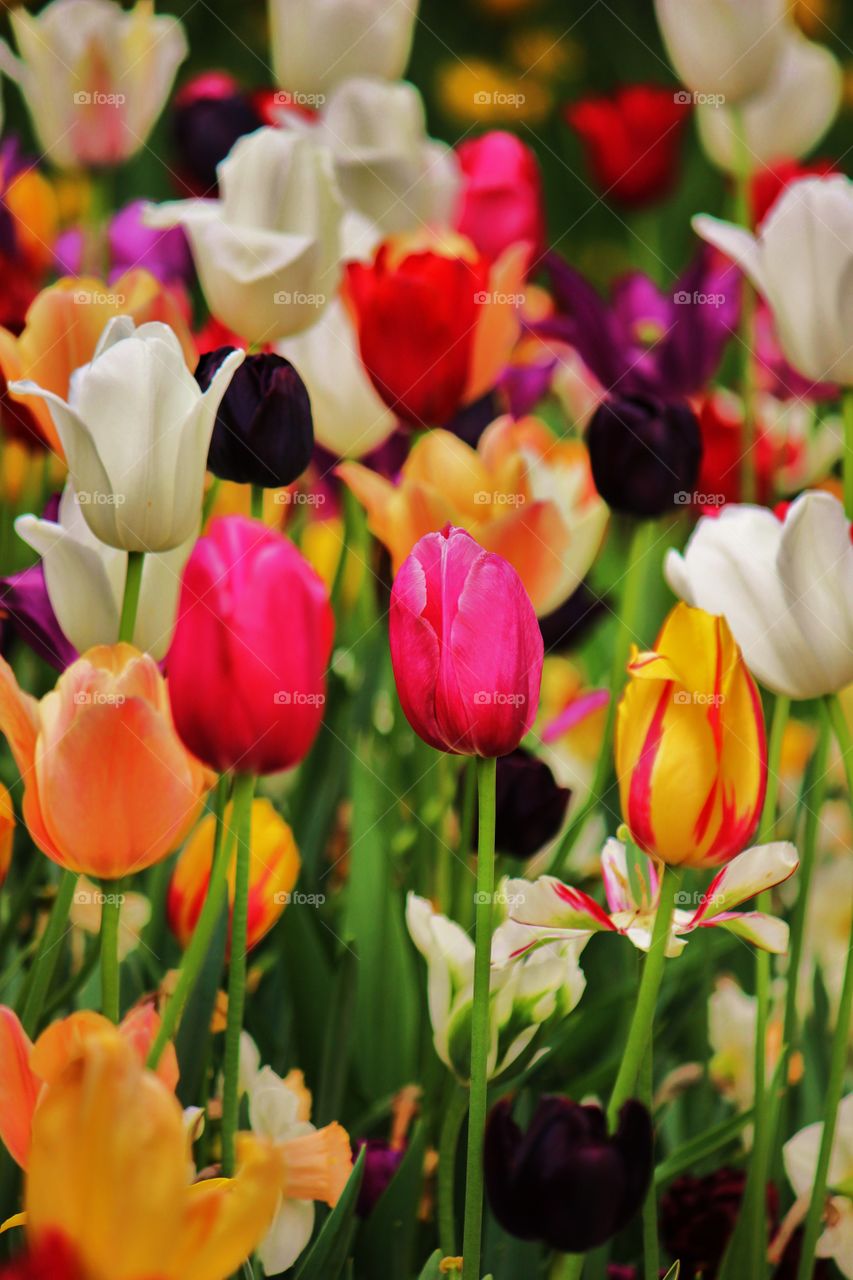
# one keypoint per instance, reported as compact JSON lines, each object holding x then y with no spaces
{"x":783,"y":587}
{"x":381,"y":1162}
{"x":632,"y":141}
{"x":252,"y":643}
{"x":387,"y":168}
{"x":435,"y":325}
{"x":7,"y":832}
{"x":801,"y":1154}
{"x":530,"y":806}
{"x":85,"y":580}
{"x":502,"y":198}
{"x":134,"y":244}
{"x":273,"y":872}
{"x":208,"y":116}
{"x":317,"y":44}
{"x":126,"y":483}
{"x":63,"y":328}
{"x":94,"y":77}
{"x":787,"y":118}
{"x":645,"y":454}
{"x":723,"y":47}
{"x":350,"y":418}
{"x":690,"y":746}
{"x":26,"y":610}
{"x":465,"y":647}
{"x":108,"y":787}
{"x":699,"y":1214}
{"x":523,"y":494}
{"x":268,"y":250}
{"x":814,"y":327}
{"x":566,"y":1181}
{"x":770,"y":183}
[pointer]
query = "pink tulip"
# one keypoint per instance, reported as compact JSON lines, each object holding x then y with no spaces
{"x":252,"y":643}
{"x":501,"y":195}
{"x":465,"y":646}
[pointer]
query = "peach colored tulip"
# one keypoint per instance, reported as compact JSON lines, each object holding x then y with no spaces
{"x":109,"y":789}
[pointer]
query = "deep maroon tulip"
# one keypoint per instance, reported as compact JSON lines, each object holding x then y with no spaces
{"x":263,"y":433}
{"x":208,"y":116}
{"x":247,"y":665}
{"x":529,"y":805}
{"x":565,"y":1181}
{"x":645,"y":454}
{"x":698,"y":1216}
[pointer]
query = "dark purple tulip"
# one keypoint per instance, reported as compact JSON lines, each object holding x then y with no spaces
{"x":530,"y":806}
{"x":208,"y":116}
{"x":570,"y":622}
{"x":264,"y":433}
{"x":24,"y":604}
{"x":381,"y":1162}
{"x":470,"y":422}
{"x":645,"y":454}
{"x":566,"y":1181}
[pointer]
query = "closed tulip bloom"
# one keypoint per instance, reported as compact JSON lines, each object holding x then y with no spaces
{"x":268,"y":250}
{"x":273,"y":871}
{"x":247,"y":667}
{"x":690,"y":746}
{"x":723,"y":46}
{"x":263,"y":432}
{"x":567,"y":1181}
{"x":784,"y":587}
{"x":94,"y":76}
{"x":207,"y":117}
{"x":136,"y":430}
{"x":109,"y":788}
{"x":529,"y":804}
{"x":645,"y":453}
{"x":317,"y":44}
{"x":502,"y":198}
{"x":800,"y":262}
{"x":465,"y":646}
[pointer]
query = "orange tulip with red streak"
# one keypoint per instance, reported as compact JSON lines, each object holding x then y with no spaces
{"x":273,"y":871}
{"x":690,"y":744}
{"x":109,"y":788}
{"x":522,"y":493}
{"x":63,"y":326}
{"x":27,"y":1069}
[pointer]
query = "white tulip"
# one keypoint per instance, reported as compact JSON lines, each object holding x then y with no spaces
{"x":136,"y":431}
{"x":94,"y":76}
{"x":785,"y":589}
{"x":388,"y":169}
{"x":268,"y":250}
{"x":317,"y":44}
{"x":787,"y":118}
{"x":85,"y":581}
{"x":800,"y":1155}
{"x":802,"y":263}
{"x":723,"y":47}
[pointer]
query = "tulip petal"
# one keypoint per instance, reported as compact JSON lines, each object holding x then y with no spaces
{"x":736,"y":243}
{"x":765,"y":932}
{"x":750,"y":873}
{"x":555,"y":910}
{"x":19,"y":1087}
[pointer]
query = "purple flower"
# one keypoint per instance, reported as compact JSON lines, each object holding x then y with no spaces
{"x":24,"y":604}
{"x":166,"y":254}
{"x":643,"y":341}
{"x":381,"y":1162}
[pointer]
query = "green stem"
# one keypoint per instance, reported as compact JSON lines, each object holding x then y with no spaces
{"x":110,"y":972}
{"x":639,"y":1034}
{"x":454,"y":1116}
{"x":48,"y":952}
{"x":464,"y":904}
{"x":636,"y":576}
{"x":130,"y":604}
{"x":651,"y":1248}
{"x":257,"y":502}
{"x":195,"y":953}
{"x":743,"y":216}
{"x":241,"y":821}
{"x":472,"y":1234}
{"x":847,"y":410}
{"x":838,"y":1057}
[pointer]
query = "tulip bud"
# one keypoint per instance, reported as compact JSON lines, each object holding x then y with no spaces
{"x":209,"y":115}
{"x":645,"y":454}
{"x":263,"y":433}
{"x":566,"y":1181}
{"x":381,"y":1162}
{"x":690,"y":746}
{"x":502,"y":200}
{"x":529,"y":805}
{"x":465,"y":646}
{"x":273,"y":871}
{"x":252,"y":642}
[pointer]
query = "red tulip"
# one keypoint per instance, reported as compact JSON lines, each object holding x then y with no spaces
{"x":631,"y":139}
{"x":252,"y":642}
{"x":465,"y":646}
{"x":502,"y":199}
{"x":768,"y":184}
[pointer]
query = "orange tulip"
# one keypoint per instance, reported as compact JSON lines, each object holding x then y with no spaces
{"x":26,"y":1069}
{"x":690,"y":746}
{"x":7,"y":832}
{"x":63,"y":326}
{"x":522,"y":493}
{"x":109,"y":788}
{"x":273,"y":871}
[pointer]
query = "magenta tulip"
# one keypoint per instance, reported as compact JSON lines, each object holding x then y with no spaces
{"x":465,"y":646}
{"x":501,"y":194}
{"x":247,"y":666}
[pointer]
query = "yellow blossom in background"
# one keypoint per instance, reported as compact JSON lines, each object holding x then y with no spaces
{"x":543,"y":51}
{"x":479,"y":92}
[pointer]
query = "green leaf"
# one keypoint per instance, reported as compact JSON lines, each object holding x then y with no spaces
{"x":674,"y":1272}
{"x":387,"y":1240}
{"x":327,"y":1256}
{"x":337,"y":1048}
{"x":689,"y":1155}
{"x":431,"y":1268}
{"x":192,"y":1042}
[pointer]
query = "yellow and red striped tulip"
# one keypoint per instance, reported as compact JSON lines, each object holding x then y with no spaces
{"x":273,"y":871}
{"x":109,"y":788}
{"x":690,"y":744}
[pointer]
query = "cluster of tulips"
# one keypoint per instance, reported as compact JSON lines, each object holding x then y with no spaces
{"x":409,"y":620}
